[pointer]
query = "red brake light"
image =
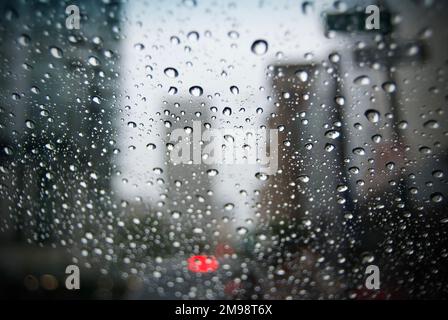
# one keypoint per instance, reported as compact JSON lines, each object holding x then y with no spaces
{"x":202,"y":263}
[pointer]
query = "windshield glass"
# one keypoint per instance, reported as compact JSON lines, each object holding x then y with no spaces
{"x":224,"y":149}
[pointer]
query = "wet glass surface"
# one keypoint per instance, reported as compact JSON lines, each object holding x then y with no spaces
{"x":329,"y":149}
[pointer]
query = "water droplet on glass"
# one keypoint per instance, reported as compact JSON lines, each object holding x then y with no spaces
{"x":307,"y":7}
{"x":196,"y":91}
{"x":403,"y":125}
{"x":30,"y":124}
{"x":261,"y":176}
{"x":189,"y":3}
{"x":334,"y":57}
{"x":425,"y":150}
{"x":139,"y":46}
{"x":389,"y":87}
{"x":390,"y":165}
{"x":193,"y":35}
{"x":340,"y":100}
{"x":171,"y":72}
{"x":150,"y":146}
{"x":8,"y":150}
{"x":302,"y":75}
{"x":227,"y":111}
{"x":241,"y":230}
{"x":56,"y":52}
{"x":175,"y":215}
{"x":94,"y":61}
{"x":362,"y":81}
{"x":35,"y":90}
{"x":286,"y":95}
{"x":359,"y":151}
{"x":259,"y":47}
{"x":174,"y":40}
{"x":172,"y":91}
{"x":332,"y":134}
{"x":24,"y":40}
{"x":233,"y":34}
{"x":431,"y":124}
{"x":329,"y":147}
{"x":96,"y":99}
{"x":437,"y":174}
{"x":372,"y":115}
{"x":377,"y":138}
{"x":437,"y":197}
{"x":212,"y":172}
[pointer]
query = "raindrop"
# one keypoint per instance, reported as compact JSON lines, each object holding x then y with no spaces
{"x":354,"y":170}
{"x":307,"y":7}
{"x":24,"y":40}
{"x":171,"y":72}
{"x":437,"y":174}
{"x":174,"y":40}
{"x":196,"y":91}
{"x":56,"y":52}
{"x":259,"y":47}
{"x":175,"y":215}
{"x":329,"y":147}
{"x":150,"y":146}
{"x":35,"y":90}
{"x":332,"y":134}
{"x":340,"y":100}
{"x":372,"y":115}
{"x":286,"y":95}
{"x":172,"y":91}
{"x":96,"y":99}
{"x":359,"y":151}
{"x":227,"y":111}
{"x":139,"y":46}
{"x":431,"y":124}
{"x":157,"y":170}
{"x":425,"y":150}
{"x":362,"y":81}
{"x":403,"y":125}
{"x":261,"y":176}
{"x":334,"y":57}
{"x":377,"y":138}
{"x":437,"y":197}
{"x":193,"y":35}
{"x":302,"y":75}
{"x":93,"y":61}
{"x":233,"y":34}
{"x":190,"y":3}
{"x":389,"y":87}
{"x":30,"y":124}
{"x":212,"y":172}
{"x":390,"y":165}
{"x":8,"y":150}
